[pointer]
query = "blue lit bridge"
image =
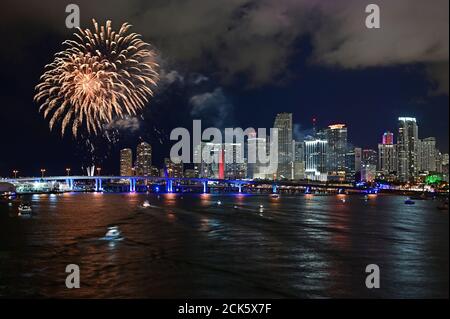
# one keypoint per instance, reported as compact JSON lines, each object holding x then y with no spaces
{"x":168,"y":184}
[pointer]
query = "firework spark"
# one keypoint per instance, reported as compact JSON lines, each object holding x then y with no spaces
{"x":100,"y":76}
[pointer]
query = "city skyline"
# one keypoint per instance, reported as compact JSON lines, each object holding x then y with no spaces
{"x":142,"y":165}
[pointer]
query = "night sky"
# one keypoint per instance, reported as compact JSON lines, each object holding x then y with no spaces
{"x":235,"y":63}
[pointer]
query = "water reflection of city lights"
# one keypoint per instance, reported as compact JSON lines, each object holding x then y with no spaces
{"x":205,"y":196}
{"x":309,"y":196}
{"x":170,"y":196}
{"x":171,"y":215}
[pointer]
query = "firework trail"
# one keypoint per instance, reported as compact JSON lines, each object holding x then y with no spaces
{"x":100,"y":76}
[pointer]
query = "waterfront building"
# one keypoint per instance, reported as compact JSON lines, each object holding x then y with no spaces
{"x":283,"y":122}
{"x":234,"y":163}
{"x":407,"y":149}
{"x":126,"y":162}
{"x":336,"y":136}
{"x":298,"y":165}
{"x":212,"y":154}
{"x":387,"y":156}
{"x":316,"y":159}
{"x":143,"y":159}
{"x":255,"y":145}
{"x":174,"y":169}
{"x":154,"y":171}
{"x":428,"y":154}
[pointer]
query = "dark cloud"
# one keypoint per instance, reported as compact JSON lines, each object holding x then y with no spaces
{"x":257,"y":39}
{"x":214,"y":107}
{"x":411,"y":32}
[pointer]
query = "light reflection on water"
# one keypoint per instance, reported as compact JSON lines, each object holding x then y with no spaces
{"x":190,"y":246}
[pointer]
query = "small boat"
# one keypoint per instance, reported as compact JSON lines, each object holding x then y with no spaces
{"x":113,"y":233}
{"x":25,"y":210}
{"x":275,"y":196}
{"x":145,"y":204}
{"x":409,"y":202}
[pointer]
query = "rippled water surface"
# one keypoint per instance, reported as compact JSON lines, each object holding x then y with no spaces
{"x":189,"y":246}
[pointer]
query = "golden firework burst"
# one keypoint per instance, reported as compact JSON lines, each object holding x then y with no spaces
{"x":100,"y":76}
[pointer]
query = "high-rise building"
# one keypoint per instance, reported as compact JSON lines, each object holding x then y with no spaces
{"x":350,"y":163}
{"x":174,"y":170}
{"x":336,"y":136}
{"x":387,"y":155}
{"x":143,"y":159}
{"x":439,"y":162}
{"x":126,"y":162}
{"x":235,"y":165}
{"x":256,"y":145}
{"x":209,"y":167}
{"x":283,"y":122}
{"x":298,"y":166}
{"x":316,"y":159}
{"x":444,"y":167}
{"x":368,"y":165}
{"x":427,"y":154}
{"x":407,"y":149}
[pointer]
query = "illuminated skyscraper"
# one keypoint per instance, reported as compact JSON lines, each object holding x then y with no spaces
{"x":283,"y":122}
{"x":174,"y":170}
{"x":336,"y":136}
{"x":316,"y":159}
{"x":387,"y":155}
{"x":254,"y":166}
{"x":126,"y":162}
{"x":144,"y":159}
{"x":211,"y":154}
{"x":298,"y":166}
{"x":234,"y":163}
{"x":427,"y":154}
{"x":407,"y":149}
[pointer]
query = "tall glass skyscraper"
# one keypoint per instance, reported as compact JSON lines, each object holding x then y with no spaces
{"x":336,"y":136}
{"x":316,"y":159}
{"x":407,"y":149}
{"x":387,"y":155}
{"x":144,"y":159}
{"x":283,"y":122}
{"x":254,"y":167}
{"x":428,"y":154}
{"x":126,"y":162}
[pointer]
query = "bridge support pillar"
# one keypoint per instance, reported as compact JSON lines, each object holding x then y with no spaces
{"x":205,"y":186}
{"x":169,"y":186}
{"x":274,"y":188}
{"x":98,"y":185}
{"x":69,"y":183}
{"x":132,"y":185}
{"x":240,"y":188}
